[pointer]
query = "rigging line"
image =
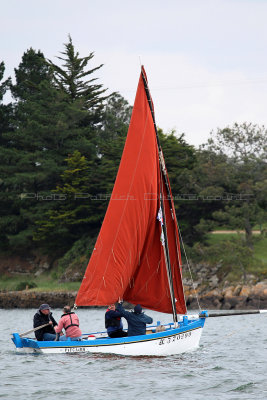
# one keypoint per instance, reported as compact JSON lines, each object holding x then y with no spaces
{"x":166,"y":181}
{"x":188,"y":266}
{"x":167,"y":255}
{"x":197,"y":85}
{"x":173,"y":222}
{"x":161,"y":157}
{"x":177,"y":244}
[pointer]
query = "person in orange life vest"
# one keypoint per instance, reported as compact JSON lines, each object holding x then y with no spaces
{"x":70,"y":322}
{"x":113,"y":322}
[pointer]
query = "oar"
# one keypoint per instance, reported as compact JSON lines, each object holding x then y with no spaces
{"x":231,"y":313}
{"x":33,"y":330}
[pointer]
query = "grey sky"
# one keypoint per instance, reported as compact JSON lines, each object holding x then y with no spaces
{"x":205,"y":59}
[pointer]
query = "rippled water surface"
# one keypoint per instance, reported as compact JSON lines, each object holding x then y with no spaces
{"x":231,"y":363}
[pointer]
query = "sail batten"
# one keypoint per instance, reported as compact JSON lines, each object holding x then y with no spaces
{"x":129,"y":255}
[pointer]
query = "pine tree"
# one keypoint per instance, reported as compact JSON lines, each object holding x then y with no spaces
{"x":86,"y":184}
{"x":5,"y":109}
{"x":32,"y":70}
{"x":6,"y":119}
{"x":71,"y":216}
{"x":48,"y":125}
{"x":71,"y":78}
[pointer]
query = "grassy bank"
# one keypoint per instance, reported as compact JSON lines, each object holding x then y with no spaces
{"x":237,"y":262}
{"x":216,"y":249}
{"x":260,"y":243}
{"x":43,"y":283}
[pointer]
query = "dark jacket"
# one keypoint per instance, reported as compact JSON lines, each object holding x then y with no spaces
{"x":136,"y":322}
{"x":41,"y":319}
{"x":113,"y":321}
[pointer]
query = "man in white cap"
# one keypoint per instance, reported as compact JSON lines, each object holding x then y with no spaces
{"x":42,"y":317}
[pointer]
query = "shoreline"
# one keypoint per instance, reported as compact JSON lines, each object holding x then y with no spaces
{"x":229,"y":298}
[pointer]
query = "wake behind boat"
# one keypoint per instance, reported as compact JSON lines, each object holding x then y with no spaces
{"x":137,"y":253}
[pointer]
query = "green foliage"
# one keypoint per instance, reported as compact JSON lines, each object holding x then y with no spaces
{"x":241,"y":142}
{"x":70,"y":216}
{"x":32,"y":70}
{"x":4,"y":85}
{"x":49,"y":125}
{"x":42,"y":283}
{"x":25,"y":285}
{"x":61,"y":142}
{"x":72,"y":265}
{"x":233,"y":255}
{"x":86,"y":185}
{"x":71,"y":79}
{"x":6,"y":125}
{"x":115,"y":121}
{"x":180,"y":159}
{"x":240,"y":170}
{"x":234,"y":258}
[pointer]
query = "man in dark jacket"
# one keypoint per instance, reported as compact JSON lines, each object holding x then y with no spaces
{"x":44,"y":316}
{"x":113,"y":322}
{"x":137,"y":320}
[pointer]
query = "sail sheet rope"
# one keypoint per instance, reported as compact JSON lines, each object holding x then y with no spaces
{"x":188,"y":266}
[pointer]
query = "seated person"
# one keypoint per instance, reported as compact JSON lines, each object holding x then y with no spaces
{"x":70,"y":322}
{"x":137,"y":320}
{"x":113,"y":322}
{"x":42,"y":317}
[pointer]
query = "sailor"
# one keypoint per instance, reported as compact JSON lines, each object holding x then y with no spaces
{"x":42,"y":317}
{"x":70,"y":322}
{"x":113,"y":322}
{"x":137,"y":320}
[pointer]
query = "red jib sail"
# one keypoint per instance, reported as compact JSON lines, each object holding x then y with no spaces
{"x":128,"y":260}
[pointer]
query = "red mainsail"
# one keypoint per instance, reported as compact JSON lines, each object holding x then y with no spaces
{"x":128,"y":260}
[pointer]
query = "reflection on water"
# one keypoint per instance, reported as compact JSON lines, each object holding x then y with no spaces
{"x":230,"y":363}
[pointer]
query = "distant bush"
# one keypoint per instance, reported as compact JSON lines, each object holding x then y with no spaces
{"x":72,"y":265}
{"x":24,"y":285}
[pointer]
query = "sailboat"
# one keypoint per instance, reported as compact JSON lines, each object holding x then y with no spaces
{"x":137,"y":254}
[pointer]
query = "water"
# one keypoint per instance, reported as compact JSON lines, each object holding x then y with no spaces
{"x":231,"y":363}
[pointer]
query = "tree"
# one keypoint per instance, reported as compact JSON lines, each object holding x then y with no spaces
{"x":32,"y":70}
{"x":5,"y":109}
{"x":6,"y":120}
{"x":241,"y":143}
{"x":70,"y":216}
{"x":87,"y":184}
{"x":116,"y":118}
{"x":181,"y":160}
{"x":71,"y":79}
{"x":48,"y":126}
{"x":233,"y":258}
{"x":244,"y":149}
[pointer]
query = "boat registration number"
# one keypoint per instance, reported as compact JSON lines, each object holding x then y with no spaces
{"x":74,"y":350}
{"x":171,"y":339}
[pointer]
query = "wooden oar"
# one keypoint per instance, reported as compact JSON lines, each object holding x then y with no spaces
{"x":227,"y":314}
{"x":33,"y":330}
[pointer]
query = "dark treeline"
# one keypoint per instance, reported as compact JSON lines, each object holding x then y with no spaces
{"x":61,"y":140}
